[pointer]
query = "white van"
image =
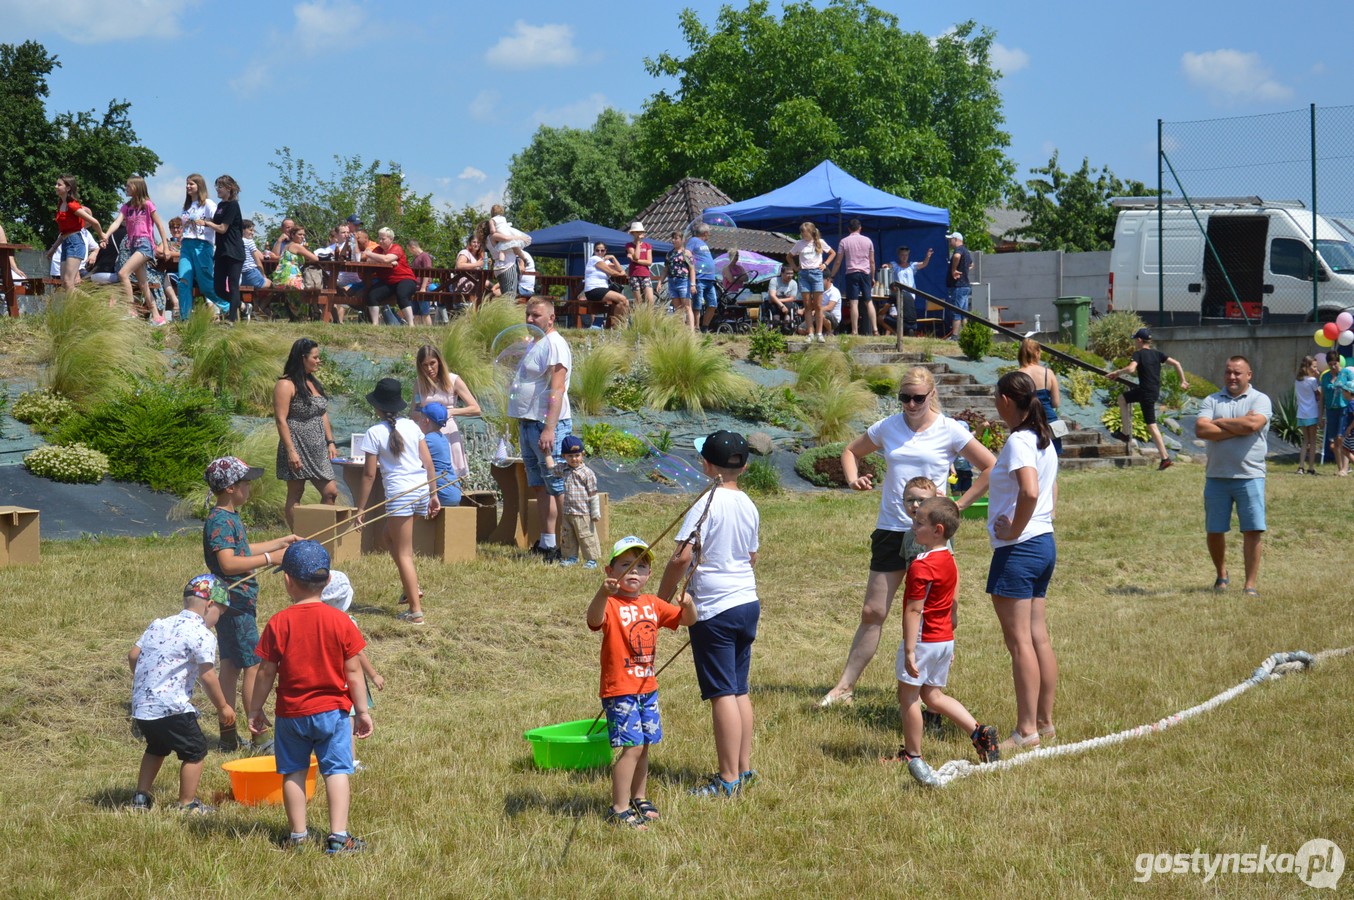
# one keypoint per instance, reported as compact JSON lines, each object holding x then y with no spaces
{"x":1254,"y":265}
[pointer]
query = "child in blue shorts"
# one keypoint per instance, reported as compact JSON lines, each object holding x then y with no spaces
{"x":311,"y":650}
{"x":718,"y":544}
{"x":629,"y":622}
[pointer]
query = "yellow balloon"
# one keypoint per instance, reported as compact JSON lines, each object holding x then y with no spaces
{"x":1322,"y":340}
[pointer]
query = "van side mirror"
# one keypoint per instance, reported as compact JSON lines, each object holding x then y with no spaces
{"x":1322,"y":274}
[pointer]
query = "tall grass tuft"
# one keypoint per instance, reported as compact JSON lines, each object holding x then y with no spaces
{"x":836,"y":411}
{"x":594,"y":373}
{"x":466,"y":356}
{"x":241,"y":366}
{"x":93,"y":351}
{"x":491,"y":318}
{"x":686,"y":372}
{"x":194,"y":331}
{"x":650,"y":323}
{"x":820,"y":369}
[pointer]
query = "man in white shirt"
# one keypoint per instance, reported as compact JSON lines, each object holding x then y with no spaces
{"x":832,"y":304}
{"x":782,"y":293}
{"x":904,"y":281}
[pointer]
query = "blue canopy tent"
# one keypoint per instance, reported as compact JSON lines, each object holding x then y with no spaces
{"x":830,"y":198}
{"x":572,"y":242}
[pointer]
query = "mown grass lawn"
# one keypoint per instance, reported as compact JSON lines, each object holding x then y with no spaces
{"x":452,"y":805}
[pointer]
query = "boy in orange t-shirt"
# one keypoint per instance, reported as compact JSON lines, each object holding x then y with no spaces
{"x":629,"y":622}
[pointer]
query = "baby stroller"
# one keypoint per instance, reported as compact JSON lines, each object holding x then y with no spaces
{"x":741,"y":289}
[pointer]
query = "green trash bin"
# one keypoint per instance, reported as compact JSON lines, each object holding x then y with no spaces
{"x":1074,"y":320}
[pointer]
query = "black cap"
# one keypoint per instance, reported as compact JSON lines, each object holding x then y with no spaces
{"x":726,"y":449}
{"x":1143,"y":334}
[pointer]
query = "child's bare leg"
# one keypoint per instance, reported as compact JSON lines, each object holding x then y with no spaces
{"x":1048,"y":664}
{"x":1157,"y":439}
{"x":728,"y":724}
{"x":294,"y":799}
{"x":125,"y":278}
{"x":247,"y":683}
{"x":230,"y":680}
{"x":938,"y":701}
{"x":337,"y":789}
{"x":70,"y":275}
{"x":623,"y":775}
{"x":138,"y":263}
{"x":745,"y":737}
{"x":190,"y":773}
{"x":909,"y":712}
{"x":400,"y":539}
{"x":150,"y":767}
{"x":639,"y":782}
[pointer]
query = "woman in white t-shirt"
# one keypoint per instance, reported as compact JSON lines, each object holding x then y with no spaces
{"x":920,"y":440}
{"x":1023,"y":491}
{"x":813,"y":256}
{"x":600,"y":268}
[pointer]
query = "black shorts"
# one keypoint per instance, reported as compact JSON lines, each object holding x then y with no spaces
{"x":1148,"y":403}
{"x":175,"y":734}
{"x":597,"y":295}
{"x":402,"y":291}
{"x":892,"y":551}
{"x":858,"y":286}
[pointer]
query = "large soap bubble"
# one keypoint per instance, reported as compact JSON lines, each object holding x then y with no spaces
{"x":710,"y":229}
{"x":511,"y":344}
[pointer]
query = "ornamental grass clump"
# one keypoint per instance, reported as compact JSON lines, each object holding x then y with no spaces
{"x":689,"y":373}
{"x":241,"y":366}
{"x":72,"y":464}
{"x":466,"y":356}
{"x":595,"y":371}
{"x":488,"y":322}
{"x":94,"y":350}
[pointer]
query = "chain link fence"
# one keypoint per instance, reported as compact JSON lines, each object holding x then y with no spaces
{"x":1257,"y":224}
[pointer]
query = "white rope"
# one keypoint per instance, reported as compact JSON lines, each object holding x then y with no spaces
{"x":1274,"y":667}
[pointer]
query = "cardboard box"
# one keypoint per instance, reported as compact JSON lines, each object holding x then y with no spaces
{"x":449,"y":537}
{"x":335,"y":528}
{"x":19,"y":536}
{"x":603,"y":525}
{"x":485,"y":504}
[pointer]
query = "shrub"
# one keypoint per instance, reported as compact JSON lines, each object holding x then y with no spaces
{"x":765,"y":344}
{"x":627,"y":392}
{"x":822,"y":465}
{"x":1062,"y":368}
{"x":1285,"y":424}
{"x":652,"y":323}
{"x":686,"y":372}
{"x":760,"y":477}
{"x":1080,"y":387}
{"x":466,"y":357}
{"x":267,"y":495}
{"x":990,"y":433}
{"x":1005,"y":350}
{"x":975,"y":340}
{"x":42,"y":409}
{"x":73,"y":464}
{"x":817,"y":370}
{"x":602,"y":439}
{"x":782,"y":408}
{"x":1111,"y":335}
{"x":241,"y":366}
{"x":160,"y":435}
{"x":1112,"y":421}
{"x":594,"y":373}
{"x":338,"y":379}
{"x":95,"y":351}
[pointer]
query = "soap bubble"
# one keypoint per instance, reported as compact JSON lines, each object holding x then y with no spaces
{"x":511,"y":344}
{"x":714,"y":229}
{"x":669,"y":468}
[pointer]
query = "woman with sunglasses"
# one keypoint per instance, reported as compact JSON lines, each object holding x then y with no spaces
{"x":597,"y":274}
{"x":920,"y":440}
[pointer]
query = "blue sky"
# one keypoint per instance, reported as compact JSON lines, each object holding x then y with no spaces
{"x":452,"y":90}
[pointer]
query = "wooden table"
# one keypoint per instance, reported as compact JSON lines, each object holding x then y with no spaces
{"x":7,"y":252}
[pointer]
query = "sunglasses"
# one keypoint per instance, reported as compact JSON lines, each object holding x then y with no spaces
{"x":909,"y":399}
{"x":914,"y":501}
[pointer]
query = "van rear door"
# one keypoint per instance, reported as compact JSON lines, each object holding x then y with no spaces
{"x":1234,"y":265}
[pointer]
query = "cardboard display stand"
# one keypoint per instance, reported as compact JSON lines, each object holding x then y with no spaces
{"x":341,"y":540}
{"x":19,"y":536}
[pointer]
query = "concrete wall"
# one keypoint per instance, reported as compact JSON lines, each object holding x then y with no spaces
{"x":1028,"y":283}
{"x":1273,"y":350}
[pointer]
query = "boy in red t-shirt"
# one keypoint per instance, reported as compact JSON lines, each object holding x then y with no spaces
{"x":312,"y":651}
{"x":629,"y":622}
{"x":927,"y":650}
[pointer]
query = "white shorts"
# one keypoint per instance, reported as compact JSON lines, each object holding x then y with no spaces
{"x":933,"y":663}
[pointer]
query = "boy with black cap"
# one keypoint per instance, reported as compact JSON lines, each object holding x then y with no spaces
{"x":580,"y":508}
{"x":1146,"y":362}
{"x":717,"y":543}
{"x":169,"y":659}
{"x":311,"y":650}
{"x":226,"y":551}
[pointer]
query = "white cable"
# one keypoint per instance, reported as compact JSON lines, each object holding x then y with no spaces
{"x":1276,"y":666}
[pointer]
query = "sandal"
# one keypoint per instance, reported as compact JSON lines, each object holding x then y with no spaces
{"x":845,"y":698}
{"x":1221,"y":584}
{"x":1048,"y":735}
{"x":411,"y":617}
{"x":644,"y":808}
{"x":626,"y":817}
{"x":1251,"y":592}
{"x":1018,"y":741}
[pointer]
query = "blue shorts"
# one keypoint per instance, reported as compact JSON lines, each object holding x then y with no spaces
{"x":72,"y":246}
{"x":633,"y":720}
{"x":253,"y":278}
{"x":1247,"y":493}
{"x":143,"y":246}
{"x":706,"y":297}
{"x":529,"y":433}
{"x":960,"y":297}
{"x":328,"y":735}
{"x":858,"y":286}
{"x":811,"y":280}
{"x":722,"y":649}
{"x":237,"y":634}
{"x":1022,"y":571}
{"x":679,"y":288}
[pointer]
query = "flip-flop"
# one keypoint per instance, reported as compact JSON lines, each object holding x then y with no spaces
{"x":1251,"y":592}
{"x":1221,"y":585}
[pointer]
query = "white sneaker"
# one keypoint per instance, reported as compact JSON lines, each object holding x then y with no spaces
{"x":821,"y":339}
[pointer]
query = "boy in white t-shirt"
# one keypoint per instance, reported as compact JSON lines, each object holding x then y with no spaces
{"x":832,"y":304}
{"x":717,"y":544}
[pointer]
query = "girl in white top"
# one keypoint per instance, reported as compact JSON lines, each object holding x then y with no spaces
{"x":1307,"y":391}
{"x":437,"y":385}
{"x":198,"y":247}
{"x":813,"y":256}
{"x":397,"y":447}
{"x":919,"y":441}
{"x":1020,"y":521}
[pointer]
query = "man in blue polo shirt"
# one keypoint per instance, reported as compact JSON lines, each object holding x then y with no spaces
{"x":1235,"y":422}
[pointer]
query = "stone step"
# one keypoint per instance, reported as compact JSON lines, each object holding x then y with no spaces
{"x":1092,"y":462}
{"x":1084,"y":436}
{"x":1092,"y":451}
{"x":972,"y":389}
{"x":945,"y":378}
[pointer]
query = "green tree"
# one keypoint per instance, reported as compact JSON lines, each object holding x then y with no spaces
{"x":102,"y":151}
{"x":572,"y":173}
{"x":760,"y":100}
{"x":1072,"y":212}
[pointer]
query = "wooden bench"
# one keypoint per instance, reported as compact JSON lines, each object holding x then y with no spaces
{"x":301,"y":304}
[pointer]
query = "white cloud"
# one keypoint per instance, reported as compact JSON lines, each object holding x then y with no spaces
{"x":1232,"y":77}
{"x":532,"y":46}
{"x":95,"y":21}
{"x":1008,"y":60}
{"x":470,"y":173}
{"x":166,"y":189}
{"x":580,"y":114}
{"x":321,"y":27}
{"x":484,"y":105}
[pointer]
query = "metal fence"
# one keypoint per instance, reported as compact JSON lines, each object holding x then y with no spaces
{"x":1257,"y":223}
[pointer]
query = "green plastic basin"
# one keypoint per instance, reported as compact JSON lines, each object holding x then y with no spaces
{"x":568,"y":745}
{"x":976,"y":510}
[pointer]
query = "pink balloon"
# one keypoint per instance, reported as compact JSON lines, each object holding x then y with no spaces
{"x":1331,"y":330}
{"x":1344,"y":321}
{"x":1346,"y":338}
